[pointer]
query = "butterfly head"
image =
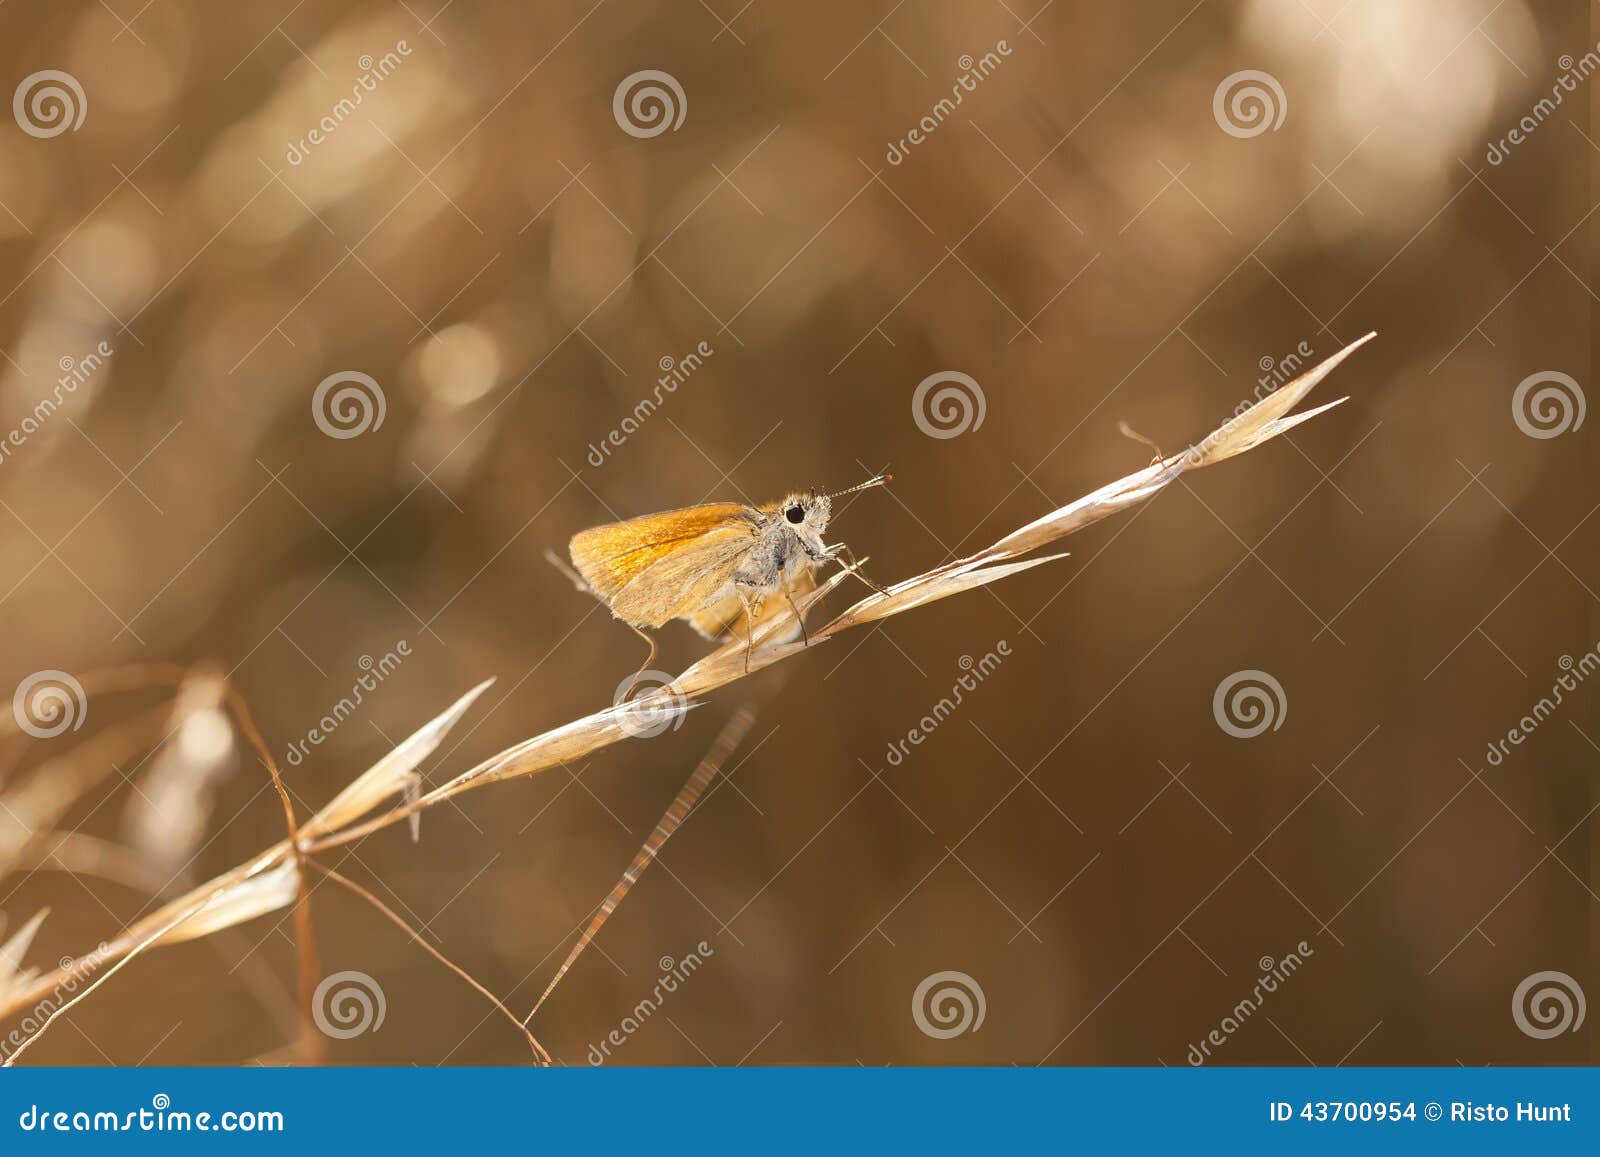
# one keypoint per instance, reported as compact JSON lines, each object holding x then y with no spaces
{"x":806,"y":512}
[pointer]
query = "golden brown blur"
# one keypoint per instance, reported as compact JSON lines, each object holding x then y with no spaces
{"x":321,"y":323}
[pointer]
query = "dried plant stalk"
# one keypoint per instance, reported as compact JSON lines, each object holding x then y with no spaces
{"x":271,"y":881}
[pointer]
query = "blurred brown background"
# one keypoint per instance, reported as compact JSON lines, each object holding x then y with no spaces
{"x":1082,"y":236}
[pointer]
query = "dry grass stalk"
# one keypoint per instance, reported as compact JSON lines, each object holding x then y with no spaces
{"x":732,"y":734}
{"x":305,"y":938}
{"x":539,"y":1053}
{"x":271,"y":880}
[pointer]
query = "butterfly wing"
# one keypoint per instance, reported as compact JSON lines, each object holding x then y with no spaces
{"x":658,"y":567}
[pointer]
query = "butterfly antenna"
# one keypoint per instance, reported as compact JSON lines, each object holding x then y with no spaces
{"x":876,"y":480}
{"x":732,"y":735}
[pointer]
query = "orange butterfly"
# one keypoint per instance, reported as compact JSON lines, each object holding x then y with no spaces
{"x":714,"y":565}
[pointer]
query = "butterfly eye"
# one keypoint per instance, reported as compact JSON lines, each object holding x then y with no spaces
{"x":795,"y":515}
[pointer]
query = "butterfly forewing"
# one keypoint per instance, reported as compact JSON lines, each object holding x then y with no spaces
{"x":684,"y":557}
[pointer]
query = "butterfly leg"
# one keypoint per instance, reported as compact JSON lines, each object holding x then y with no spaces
{"x":645,"y":666}
{"x":752,"y":606}
{"x":805,"y":639}
{"x":835,"y":551}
